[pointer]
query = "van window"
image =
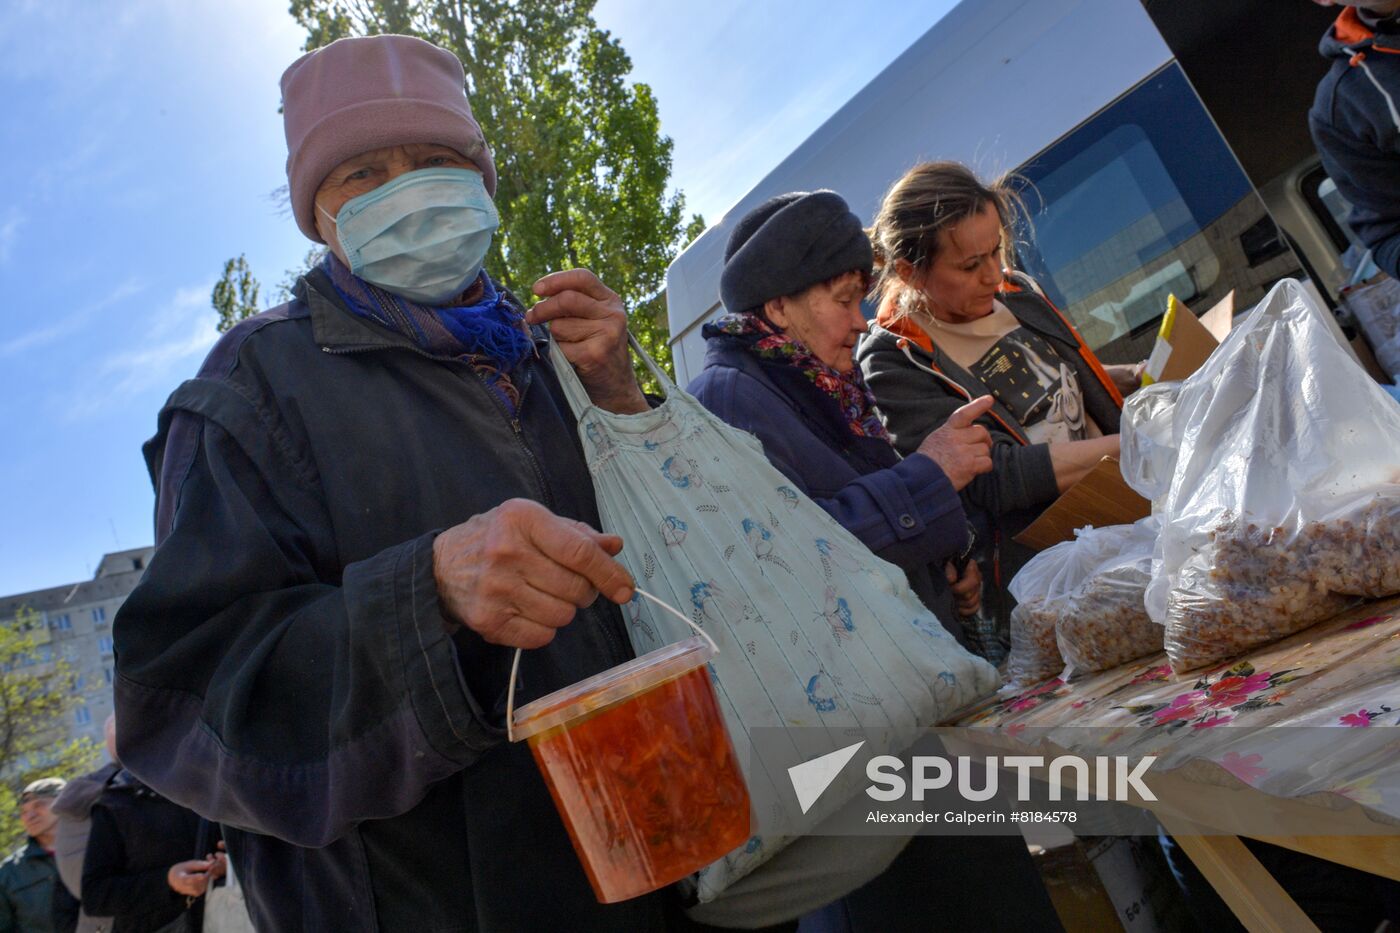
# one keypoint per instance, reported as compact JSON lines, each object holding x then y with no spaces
{"x":1141,"y":201}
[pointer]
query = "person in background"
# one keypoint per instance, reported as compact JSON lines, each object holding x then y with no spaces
{"x":73,"y":808}
{"x":367,"y":500}
{"x":137,"y":867}
{"x":779,"y":365}
{"x":32,"y":900}
{"x":954,"y":324}
{"x":1355,"y":121}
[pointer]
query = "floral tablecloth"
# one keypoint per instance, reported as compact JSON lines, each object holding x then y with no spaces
{"x":1309,"y":690}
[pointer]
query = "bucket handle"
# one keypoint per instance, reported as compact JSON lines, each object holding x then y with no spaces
{"x":515,"y":664}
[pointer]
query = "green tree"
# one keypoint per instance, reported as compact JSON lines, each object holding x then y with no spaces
{"x":583,"y":167}
{"x":312,"y":258}
{"x":235,"y":295}
{"x":36,"y":697}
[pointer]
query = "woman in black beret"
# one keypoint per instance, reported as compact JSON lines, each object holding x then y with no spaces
{"x":780,"y":365}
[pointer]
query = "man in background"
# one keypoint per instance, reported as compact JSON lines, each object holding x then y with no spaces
{"x":1355,"y":121}
{"x":31,"y":898}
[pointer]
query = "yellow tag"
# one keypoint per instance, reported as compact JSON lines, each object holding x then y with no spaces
{"x":1164,"y":336}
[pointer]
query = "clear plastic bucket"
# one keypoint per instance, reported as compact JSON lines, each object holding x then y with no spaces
{"x":641,"y":767}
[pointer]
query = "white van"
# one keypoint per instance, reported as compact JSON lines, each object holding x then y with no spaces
{"x":1163,"y":141}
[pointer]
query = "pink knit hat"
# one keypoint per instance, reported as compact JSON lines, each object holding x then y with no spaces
{"x":365,"y":93}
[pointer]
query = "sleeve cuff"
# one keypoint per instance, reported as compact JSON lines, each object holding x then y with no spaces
{"x":1040,"y":474}
{"x":449,"y":710}
{"x":914,"y":497}
{"x":1387,"y":256}
{"x":932,"y":498}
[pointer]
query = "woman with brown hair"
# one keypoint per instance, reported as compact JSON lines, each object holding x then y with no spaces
{"x":954,"y":323}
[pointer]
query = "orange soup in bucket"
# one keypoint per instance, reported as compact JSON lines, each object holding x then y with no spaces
{"x":641,"y":768}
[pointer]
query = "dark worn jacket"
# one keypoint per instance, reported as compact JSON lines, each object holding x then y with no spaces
{"x":136,"y":836}
{"x":32,"y":899}
{"x":74,"y":808}
{"x":1355,"y":122}
{"x":918,"y":387}
{"x":284,"y":665}
{"x":905,"y":510}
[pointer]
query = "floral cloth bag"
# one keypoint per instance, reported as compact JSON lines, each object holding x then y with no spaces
{"x":821,"y":643}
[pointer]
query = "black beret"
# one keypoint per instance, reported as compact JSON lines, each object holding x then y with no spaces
{"x":790,"y":243}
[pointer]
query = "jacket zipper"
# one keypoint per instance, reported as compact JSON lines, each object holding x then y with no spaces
{"x":514,"y":421}
{"x":541,"y":485}
{"x":903,"y":344}
{"x":619,"y":656}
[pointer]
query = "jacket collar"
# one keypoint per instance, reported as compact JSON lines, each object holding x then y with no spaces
{"x":334,"y":327}
{"x":724,"y":351}
{"x":33,"y":850}
{"x":902,"y":335}
{"x":906,"y":327}
{"x":902,"y":325}
{"x":809,"y":403}
{"x":1351,"y":34}
{"x":76,"y":800}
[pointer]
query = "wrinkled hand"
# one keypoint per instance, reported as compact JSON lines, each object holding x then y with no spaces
{"x":191,"y":878}
{"x":517,"y":573}
{"x":589,"y":323}
{"x":963,"y":449}
{"x":1126,"y":376}
{"x":220,"y":862}
{"x":967,"y":589}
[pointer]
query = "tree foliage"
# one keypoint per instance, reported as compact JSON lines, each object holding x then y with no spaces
{"x":312,"y":259}
{"x":235,"y":295}
{"x":583,"y":169}
{"x":36,"y":697}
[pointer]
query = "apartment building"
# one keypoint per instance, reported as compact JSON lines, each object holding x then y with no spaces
{"x":75,"y":622}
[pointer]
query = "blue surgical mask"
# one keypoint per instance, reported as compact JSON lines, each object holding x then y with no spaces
{"x":422,"y":235}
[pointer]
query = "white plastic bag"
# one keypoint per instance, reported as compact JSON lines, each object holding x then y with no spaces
{"x":224,"y":908}
{"x":1284,"y":491}
{"x":1080,"y":605}
{"x":820,"y":641}
{"x":1103,"y":623}
{"x":1147,"y":447}
{"x":1376,"y":308}
{"x":1045,"y":580}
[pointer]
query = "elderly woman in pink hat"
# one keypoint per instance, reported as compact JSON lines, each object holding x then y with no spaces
{"x":367,"y":498}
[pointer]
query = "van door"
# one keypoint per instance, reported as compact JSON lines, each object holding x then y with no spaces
{"x":1141,"y":201}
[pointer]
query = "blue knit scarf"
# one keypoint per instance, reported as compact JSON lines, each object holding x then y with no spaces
{"x":489,"y":334}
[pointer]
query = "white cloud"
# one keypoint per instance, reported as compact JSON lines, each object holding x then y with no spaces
{"x":9,"y":229}
{"x":70,"y":324}
{"x":180,"y":332}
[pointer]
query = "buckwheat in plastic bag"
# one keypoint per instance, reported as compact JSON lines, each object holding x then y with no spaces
{"x":1080,"y":605}
{"x":1103,"y":623}
{"x":1284,"y":498}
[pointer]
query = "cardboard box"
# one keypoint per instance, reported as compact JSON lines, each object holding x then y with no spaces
{"x":1100,"y":498}
{"x":1185,"y":342}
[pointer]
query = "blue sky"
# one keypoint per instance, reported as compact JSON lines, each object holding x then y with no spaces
{"x":141,"y":143}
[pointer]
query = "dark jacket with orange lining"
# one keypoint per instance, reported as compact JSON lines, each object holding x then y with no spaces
{"x":1355,"y":122}
{"x":918,"y":387}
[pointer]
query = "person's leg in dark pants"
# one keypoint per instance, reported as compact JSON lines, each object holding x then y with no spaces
{"x":1336,"y":898}
{"x":964,"y":883}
